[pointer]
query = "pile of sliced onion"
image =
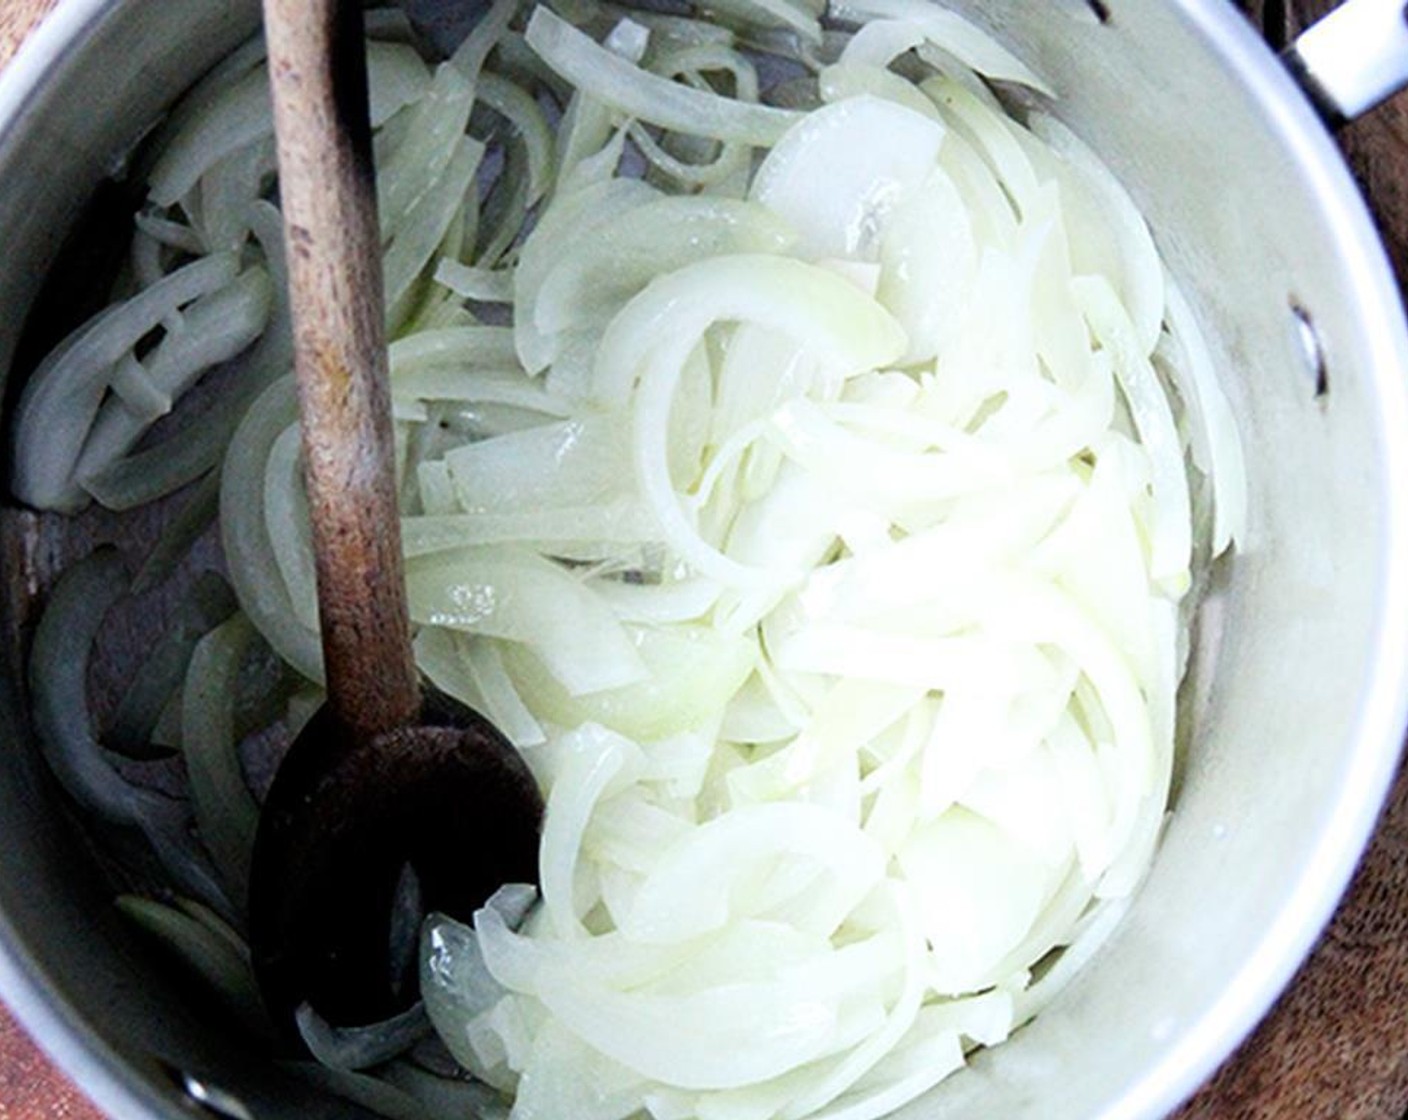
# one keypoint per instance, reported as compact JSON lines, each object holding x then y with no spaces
{"x":805,"y":461}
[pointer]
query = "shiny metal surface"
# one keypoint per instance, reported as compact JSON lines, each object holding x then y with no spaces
{"x":1354,"y":57}
{"x":1300,"y":670}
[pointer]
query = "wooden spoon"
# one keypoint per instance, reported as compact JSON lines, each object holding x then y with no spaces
{"x":388,"y":775}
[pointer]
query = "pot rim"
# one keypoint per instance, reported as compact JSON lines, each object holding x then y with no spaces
{"x":116,"y":1086}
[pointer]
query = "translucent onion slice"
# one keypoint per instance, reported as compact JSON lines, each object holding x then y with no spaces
{"x":584,"y":140}
{"x":1108,"y":234}
{"x":517,"y":106}
{"x":713,"y":168}
{"x":830,"y":316}
{"x":286,"y":521}
{"x":698,"y":886}
{"x":472,"y":670}
{"x":241,"y":114}
{"x":58,"y":681}
{"x":477,"y":347}
{"x":568,"y":221}
{"x":842,"y":326}
{"x":843,"y":80}
{"x":196,"y":449}
{"x":835,"y":177}
{"x":993,"y":134}
{"x":593,"y":758}
{"x":978,"y":891}
{"x":640,"y":94}
{"x":901,"y":1076}
{"x":353,"y":1048}
{"x":596,"y":276}
{"x":771,"y":13}
{"x":482,"y":285}
{"x":214,"y":329}
{"x":1211,"y":414}
{"x":225,"y":810}
{"x":852,"y":1068}
{"x":129,"y":731}
{"x":949,"y":31}
{"x":58,"y":675}
{"x":692,"y":671}
{"x":488,"y":32}
{"x":138,"y":393}
{"x":1171,"y":529}
{"x":622,"y":522}
{"x":170,"y":233}
{"x":551,"y":1081}
{"x":228,"y":191}
{"x":514,"y":594}
{"x":365,"y":1091}
{"x":705,"y":1040}
{"x":431,"y":138}
{"x":928,"y":258}
{"x":64,"y":394}
{"x":573,"y":463}
{"x":204,"y":950}
{"x":244,"y":534}
{"x":413,"y":242}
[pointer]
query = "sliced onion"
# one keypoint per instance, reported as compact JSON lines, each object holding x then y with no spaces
{"x":949,"y":31}
{"x":1211,"y":414}
{"x":208,"y":953}
{"x":573,"y":218}
{"x":354,"y":1048}
{"x":869,"y":153}
{"x":432,"y":137}
{"x":197,"y":448}
{"x":515,"y":105}
{"x":483,"y":285}
{"x":824,"y":552}
{"x":65,"y":392}
{"x":244,"y":533}
{"x":853,"y":79}
{"x":577,"y":463}
{"x":129,"y":731}
{"x":58,"y":682}
{"x":241,"y":114}
{"x":771,"y":13}
{"x":596,"y":276}
{"x":690,"y":674}
{"x":618,"y":523}
{"x":513,"y":594}
{"x":225,"y":810}
{"x":415,"y":239}
{"x":641,"y":94}
{"x":472,"y":671}
{"x":214,"y":329}
{"x":1170,"y":531}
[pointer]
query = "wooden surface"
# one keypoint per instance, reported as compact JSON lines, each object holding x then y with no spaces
{"x":328,"y":190}
{"x":1336,"y":1044}
{"x":17,"y":19}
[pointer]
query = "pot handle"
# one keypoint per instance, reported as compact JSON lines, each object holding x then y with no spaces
{"x":1353,"y":58}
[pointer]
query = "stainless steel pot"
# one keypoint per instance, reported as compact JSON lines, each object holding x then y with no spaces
{"x":1300,"y":670}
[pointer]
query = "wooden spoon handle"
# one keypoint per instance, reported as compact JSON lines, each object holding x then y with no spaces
{"x":317,"y":66}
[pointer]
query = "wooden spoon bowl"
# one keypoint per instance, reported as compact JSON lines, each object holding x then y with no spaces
{"x":447,"y":797}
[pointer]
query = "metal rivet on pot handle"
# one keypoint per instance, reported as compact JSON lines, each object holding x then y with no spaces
{"x":1353,"y":58}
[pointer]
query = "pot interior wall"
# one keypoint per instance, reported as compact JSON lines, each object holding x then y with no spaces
{"x":1260,"y":222}
{"x":1276,"y":780}
{"x":98,"y":996}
